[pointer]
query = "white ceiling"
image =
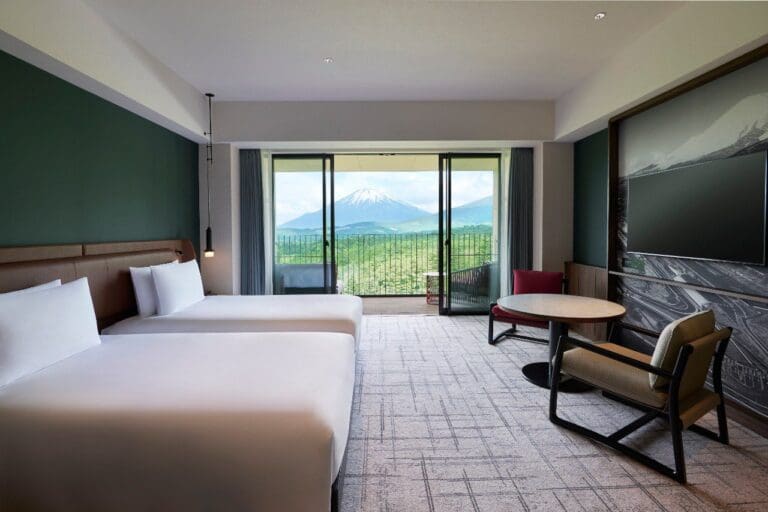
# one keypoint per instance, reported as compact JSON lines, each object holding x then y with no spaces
{"x":273,"y":50}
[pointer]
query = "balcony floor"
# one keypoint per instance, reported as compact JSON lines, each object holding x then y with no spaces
{"x":397,"y":306}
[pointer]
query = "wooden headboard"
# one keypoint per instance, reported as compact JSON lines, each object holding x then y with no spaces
{"x":105,"y":265}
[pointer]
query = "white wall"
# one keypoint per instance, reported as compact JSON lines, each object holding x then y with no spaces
{"x":221,"y":273}
{"x":70,"y":40}
{"x":553,"y":206}
{"x":384,"y":121}
{"x":695,"y":38}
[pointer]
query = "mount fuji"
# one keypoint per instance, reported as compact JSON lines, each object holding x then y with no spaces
{"x":365,"y":205}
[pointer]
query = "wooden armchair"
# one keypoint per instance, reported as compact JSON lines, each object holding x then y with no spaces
{"x":670,"y":384}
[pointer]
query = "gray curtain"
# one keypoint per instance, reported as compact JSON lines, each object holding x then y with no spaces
{"x":252,"y":266}
{"x":520,"y":212}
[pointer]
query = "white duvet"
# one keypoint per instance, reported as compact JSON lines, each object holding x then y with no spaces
{"x":255,"y":313}
{"x":178,"y":422}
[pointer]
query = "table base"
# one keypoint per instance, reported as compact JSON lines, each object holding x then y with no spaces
{"x":538,"y":374}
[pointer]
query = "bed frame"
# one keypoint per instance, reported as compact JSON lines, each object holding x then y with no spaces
{"x":105,"y":265}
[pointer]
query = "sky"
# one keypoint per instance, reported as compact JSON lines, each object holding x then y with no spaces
{"x":297,"y":193}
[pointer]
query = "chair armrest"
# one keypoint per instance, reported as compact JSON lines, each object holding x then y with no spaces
{"x":613,"y":355}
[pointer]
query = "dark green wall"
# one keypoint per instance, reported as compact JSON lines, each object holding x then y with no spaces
{"x":590,"y":200}
{"x":76,"y":168}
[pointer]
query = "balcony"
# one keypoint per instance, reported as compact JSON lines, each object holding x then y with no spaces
{"x":388,"y":264}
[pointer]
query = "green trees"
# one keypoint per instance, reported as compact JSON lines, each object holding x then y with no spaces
{"x":388,"y":264}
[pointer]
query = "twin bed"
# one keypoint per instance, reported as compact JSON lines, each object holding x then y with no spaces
{"x":254,"y":313}
{"x":235,"y":403}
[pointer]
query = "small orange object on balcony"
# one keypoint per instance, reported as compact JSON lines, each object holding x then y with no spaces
{"x":433,"y":287}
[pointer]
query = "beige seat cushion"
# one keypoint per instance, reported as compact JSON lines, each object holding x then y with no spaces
{"x":674,"y":336}
{"x":613,"y":376}
{"x":697,"y":405}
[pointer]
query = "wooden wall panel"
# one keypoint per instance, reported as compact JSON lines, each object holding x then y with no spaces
{"x":588,"y":281}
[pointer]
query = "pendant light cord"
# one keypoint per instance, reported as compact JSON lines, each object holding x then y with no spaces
{"x":209,"y":156}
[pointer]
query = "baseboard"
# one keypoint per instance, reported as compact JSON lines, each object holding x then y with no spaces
{"x":747,"y":418}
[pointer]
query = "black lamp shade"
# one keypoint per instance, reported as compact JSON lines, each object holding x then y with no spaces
{"x":208,"y":253}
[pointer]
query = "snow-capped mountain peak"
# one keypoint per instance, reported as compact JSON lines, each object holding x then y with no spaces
{"x":366,"y":195}
{"x":362,"y":205}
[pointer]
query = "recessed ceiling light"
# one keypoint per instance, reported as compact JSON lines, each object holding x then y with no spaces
{"x":599,"y":16}
{"x":328,"y":60}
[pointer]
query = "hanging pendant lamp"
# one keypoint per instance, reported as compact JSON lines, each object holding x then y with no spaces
{"x":208,"y":252}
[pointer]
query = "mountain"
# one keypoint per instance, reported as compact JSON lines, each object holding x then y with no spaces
{"x":365,"y":228}
{"x":476,"y":213}
{"x":365,"y":205}
{"x":370,"y":211}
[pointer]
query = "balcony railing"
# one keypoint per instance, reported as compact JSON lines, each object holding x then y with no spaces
{"x":386,"y":264}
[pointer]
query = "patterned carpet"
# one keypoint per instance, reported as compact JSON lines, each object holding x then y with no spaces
{"x":445,"y":422}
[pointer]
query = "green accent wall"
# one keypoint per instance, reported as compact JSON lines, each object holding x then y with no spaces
{"x":77,"y":168}
{"x":590,"y":200}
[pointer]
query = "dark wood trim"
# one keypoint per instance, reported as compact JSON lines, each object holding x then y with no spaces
{"x":698,"y":287}
{"x":56,"y":252}
{"x":39,"y":252}
{"x":184,"y":248}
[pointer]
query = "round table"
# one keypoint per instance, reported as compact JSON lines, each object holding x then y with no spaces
{"x":559,"y":310}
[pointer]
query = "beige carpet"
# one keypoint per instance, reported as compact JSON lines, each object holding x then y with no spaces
{"x":445,"y":422}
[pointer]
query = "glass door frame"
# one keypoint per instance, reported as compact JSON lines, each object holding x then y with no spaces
{"x":444,"y":224}
{"x":329,"y":218}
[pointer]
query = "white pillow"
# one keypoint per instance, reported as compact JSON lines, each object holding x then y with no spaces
{"x":178,"y":286}
{"x":144,"y":289}
{"x":42,"y":328}
{"x":36,"y":288}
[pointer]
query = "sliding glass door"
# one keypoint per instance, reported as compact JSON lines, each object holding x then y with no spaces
{"x":468,"y":231}
{"x":304,"y":259}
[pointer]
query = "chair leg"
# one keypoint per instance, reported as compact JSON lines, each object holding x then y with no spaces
{"x":512,"y":333}
{"x":721,"y":435}
{"x":677,"y":446}
{"x":491,"y":341}
{"x":554,"y":380}
{"x":553,"y":385}
{"x":504,"y":334}
{"x":722,"y":423}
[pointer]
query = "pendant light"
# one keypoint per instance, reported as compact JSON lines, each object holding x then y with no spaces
{"x":208,"y":253}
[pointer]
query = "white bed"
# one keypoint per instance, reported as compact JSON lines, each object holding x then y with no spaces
{"x":243,"y":421}
{"x":255,"y":313}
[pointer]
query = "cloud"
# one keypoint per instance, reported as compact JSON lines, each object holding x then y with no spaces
{"x":297,"y":193}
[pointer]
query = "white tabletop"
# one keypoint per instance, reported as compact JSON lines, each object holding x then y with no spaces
{"x":565,"y":308}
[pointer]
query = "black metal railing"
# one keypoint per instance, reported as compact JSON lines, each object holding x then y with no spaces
{"x":386,"y":264}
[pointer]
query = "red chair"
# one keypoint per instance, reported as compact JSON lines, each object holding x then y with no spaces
{"x":525,"y":281}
